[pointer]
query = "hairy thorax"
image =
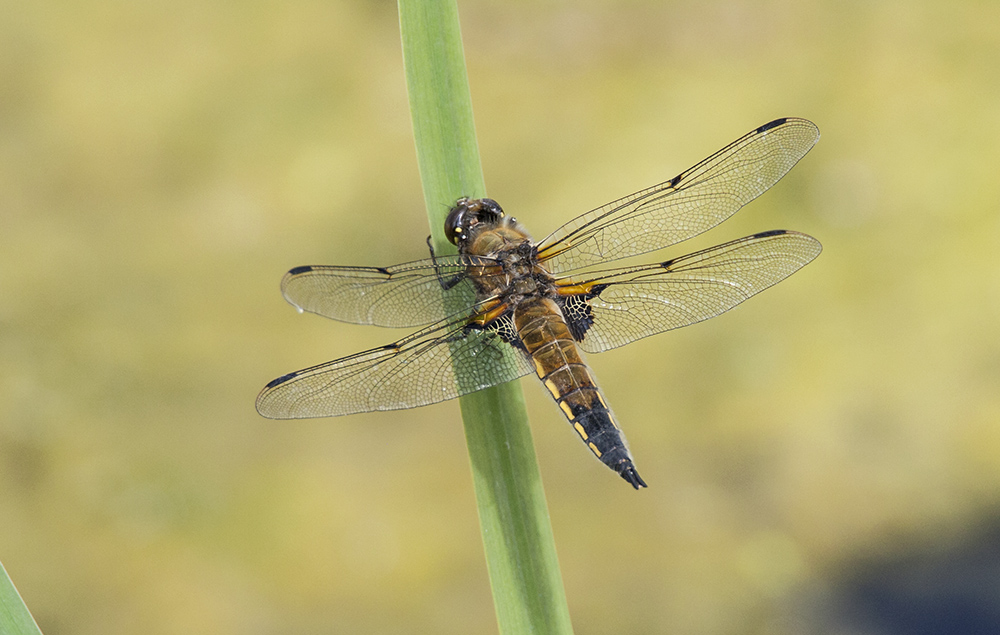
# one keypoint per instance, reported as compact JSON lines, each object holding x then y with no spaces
{"x":513,"y":272}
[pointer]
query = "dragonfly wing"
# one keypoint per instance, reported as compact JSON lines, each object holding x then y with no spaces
{"x":625,"y":305}
{"x":415,"y":371}
{"x":406,"y":295}
{"x":686,"y":205}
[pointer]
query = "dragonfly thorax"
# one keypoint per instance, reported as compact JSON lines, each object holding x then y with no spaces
{"x":510,"y":267}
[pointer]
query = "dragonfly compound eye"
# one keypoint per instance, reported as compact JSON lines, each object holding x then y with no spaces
{"x":454,"y":225}
{"x":490,"y":211}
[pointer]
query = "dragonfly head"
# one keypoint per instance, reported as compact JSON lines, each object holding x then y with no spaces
{"x":469,"y":216}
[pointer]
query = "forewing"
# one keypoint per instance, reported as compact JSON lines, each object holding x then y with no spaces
{"x":686,"y":205}
{"x":637,"y":302}
{"x":415,"y":371}
{"x":405,"y":295}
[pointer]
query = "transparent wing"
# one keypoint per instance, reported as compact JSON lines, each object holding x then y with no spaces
{"x":686,"y":205}
{"x":405,"y":295}
{"x":633,"y":303}
{"x":415,"y":371}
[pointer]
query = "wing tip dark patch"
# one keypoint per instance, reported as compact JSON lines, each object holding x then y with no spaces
{"x":280,"y":380}
{"x":771,"y":232}
{"x":300,"y":270}
{"x":772,"y":124}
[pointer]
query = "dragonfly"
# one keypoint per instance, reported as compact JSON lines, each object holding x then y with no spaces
{"x":506,"y":306}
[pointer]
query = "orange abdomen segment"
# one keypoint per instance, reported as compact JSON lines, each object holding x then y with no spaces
{"x":558,"y":363}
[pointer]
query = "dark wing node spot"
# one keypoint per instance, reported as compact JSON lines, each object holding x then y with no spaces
{"x":280,"y":380}
{"x":578,"y":314}
{"x":771,"y":232}
{"x":383,"y":270}
{"x":673,"y":182}
{"x":297,"y":270}
{"x":772,"y":124}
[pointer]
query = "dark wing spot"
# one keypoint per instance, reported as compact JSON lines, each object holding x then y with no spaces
{"x":770,"y":232}
{"x":578,"y":314}
{"x":673,"y":182}
{"x":280,"y":380}
{"x":297,"y":270}
{"x":503,"y":326}
{"x":383,"y":270}
{"x":772,"y":124}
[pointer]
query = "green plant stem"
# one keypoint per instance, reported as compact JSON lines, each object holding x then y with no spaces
{"x":14,"y":616}
{"x":514,"y":520}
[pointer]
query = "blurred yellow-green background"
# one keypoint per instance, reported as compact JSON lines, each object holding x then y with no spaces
{"x":824,"y":459}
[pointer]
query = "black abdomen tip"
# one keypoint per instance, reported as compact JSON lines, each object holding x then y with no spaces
{"x":628,"y":472}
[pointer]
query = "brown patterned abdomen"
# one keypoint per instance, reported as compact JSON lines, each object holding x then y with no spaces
{"x":558,"y":363}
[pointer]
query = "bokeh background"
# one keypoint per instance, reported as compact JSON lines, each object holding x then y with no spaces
{"x":824,"y":459}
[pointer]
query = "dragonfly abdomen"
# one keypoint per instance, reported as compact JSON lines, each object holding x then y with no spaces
{"x":558,"y":363}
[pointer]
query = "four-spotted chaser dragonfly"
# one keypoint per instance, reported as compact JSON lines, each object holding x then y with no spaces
{"x":506,"y":306}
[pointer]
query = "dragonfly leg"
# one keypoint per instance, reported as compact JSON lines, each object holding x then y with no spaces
{"x":446,"y":283}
